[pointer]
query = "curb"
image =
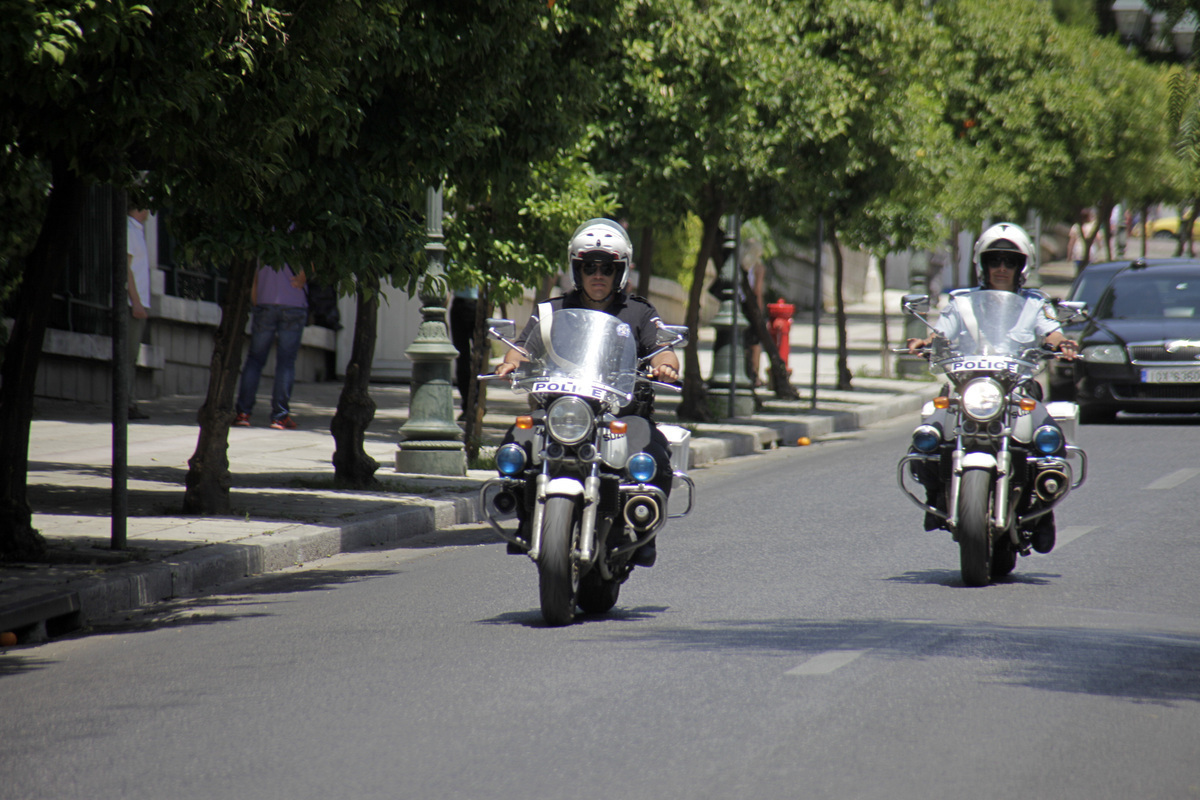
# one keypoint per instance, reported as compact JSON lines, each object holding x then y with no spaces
{"x":36,"y":617}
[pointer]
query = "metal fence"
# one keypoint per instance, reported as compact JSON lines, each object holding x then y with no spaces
{"x":189,"y":281}
{"x":81,"y":302}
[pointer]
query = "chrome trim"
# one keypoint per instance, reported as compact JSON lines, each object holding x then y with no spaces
{"x":683,"y":476}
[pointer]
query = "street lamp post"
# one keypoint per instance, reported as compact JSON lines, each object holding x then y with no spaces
{"x":726,"y":397}
{"x":431,"y":442}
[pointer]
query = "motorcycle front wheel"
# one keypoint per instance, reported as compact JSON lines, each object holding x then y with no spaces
{"x":974,"y":538}
{"x":1004,"y":559}
{"x":558,"y":573}
{"x":597,"y":595}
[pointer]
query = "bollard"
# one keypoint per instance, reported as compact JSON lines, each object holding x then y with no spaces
{"x":781,"y":327}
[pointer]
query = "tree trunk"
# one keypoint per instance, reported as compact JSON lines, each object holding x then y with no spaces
{"x":781,"y":382}
{"x":352,"y":466}
{"x":844,"y":375}
{"x":1105,"y":225}
{"x":694,"y":403}
{"x":19,"y":540}
{"x":885,"y":351}
{"x":476,"y":405}
{"x":645,"y":261}
{"x":208,"y":479}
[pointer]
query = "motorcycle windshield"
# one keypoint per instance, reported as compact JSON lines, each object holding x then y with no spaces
{"x":988,"y":327}
{"x":580,"y":351}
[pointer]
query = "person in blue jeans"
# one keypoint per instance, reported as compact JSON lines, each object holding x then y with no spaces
{"x":280,"y":314}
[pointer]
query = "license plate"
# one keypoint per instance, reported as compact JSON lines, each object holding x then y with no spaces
{"x":1171,"y":375}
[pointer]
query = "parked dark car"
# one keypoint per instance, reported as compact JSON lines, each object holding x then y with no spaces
{"x":1141,"y":347}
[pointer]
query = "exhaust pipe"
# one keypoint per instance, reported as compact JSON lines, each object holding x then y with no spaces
{"x":1051,"y":484}
{"x":641,"y":513}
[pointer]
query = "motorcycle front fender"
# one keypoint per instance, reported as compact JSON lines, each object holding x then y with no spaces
{"x":975,"y":460}
{"x":564,"y":487}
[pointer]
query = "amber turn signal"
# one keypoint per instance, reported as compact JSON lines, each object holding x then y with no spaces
{"x":617,"y":426}
{"x":941,"y":402}
{"x":525,"y":422}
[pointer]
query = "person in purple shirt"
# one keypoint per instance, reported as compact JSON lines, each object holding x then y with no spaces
{"x":280,"y":314}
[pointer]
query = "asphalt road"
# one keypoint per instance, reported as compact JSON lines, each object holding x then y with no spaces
{"x":800,"y":637}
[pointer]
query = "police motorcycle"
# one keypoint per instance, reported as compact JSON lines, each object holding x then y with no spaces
{"x":576,"y":470}
{"x":994,"y":457}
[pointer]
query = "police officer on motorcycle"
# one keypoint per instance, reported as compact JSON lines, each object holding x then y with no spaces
{"x":1001,"y":255}
{"x":600,"y":255}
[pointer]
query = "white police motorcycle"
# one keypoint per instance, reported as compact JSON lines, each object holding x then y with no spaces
{"x":574,"y":470}
{"x":992,"y":460}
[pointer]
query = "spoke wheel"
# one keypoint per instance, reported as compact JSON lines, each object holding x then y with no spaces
{"x":558,"y":573}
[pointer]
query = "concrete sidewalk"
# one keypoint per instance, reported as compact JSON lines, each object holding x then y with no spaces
{"x":286,"y":509}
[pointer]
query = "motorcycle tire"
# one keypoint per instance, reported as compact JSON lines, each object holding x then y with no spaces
{"x":974,"y":527}
{"x":1004,"y":559}
{"x":558,"y":572}
{"x":597,"y":595}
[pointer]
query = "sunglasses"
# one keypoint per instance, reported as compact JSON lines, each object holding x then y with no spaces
{"x":607,"y":270}
{"x":994,"y":260}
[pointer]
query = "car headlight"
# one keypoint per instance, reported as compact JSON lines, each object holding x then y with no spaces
{"x":926,"y":438}
{"x":642,"y":467}
{"x":1105,"y":354}
{"x":510,"y":458}
{"x":570,"y":420}
{"x":983,"y":399}
{"x":1048,"y":439}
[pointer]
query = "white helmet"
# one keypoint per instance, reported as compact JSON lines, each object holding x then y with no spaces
{"x":1008,"y":238}
{"x":600,"y":239}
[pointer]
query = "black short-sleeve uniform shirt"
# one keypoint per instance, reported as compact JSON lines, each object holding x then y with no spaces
{"x":638,"y":313}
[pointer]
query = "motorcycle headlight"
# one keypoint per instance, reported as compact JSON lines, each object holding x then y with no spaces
{"x":569,"y":420}
{"x":926,"y":438}
{"x":1105,"y":354}
{"x":1048,"y":439}
{"x":510,"y":458}
{"x":641,"y":467}
{"x":983,"y":399}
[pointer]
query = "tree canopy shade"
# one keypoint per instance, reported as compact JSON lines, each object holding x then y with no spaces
{"x":308,"y":131}
{"x":287,"y":132}
{"x":96,"y":92}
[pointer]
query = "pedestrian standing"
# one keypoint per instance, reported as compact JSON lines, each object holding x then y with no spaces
{"x":138,"y":285}
{"x":280,"y":314}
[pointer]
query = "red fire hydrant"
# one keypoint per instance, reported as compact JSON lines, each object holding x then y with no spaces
{"x":781,"y":327}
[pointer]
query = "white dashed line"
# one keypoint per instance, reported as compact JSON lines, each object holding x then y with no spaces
{"x":1174,"y":479}
{"x":1068,"y":535}
{"x":830,"y":660}
{"x":825,"y":663}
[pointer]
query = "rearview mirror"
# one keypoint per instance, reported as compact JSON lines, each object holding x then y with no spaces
{"x":915,"y":302}
{"x":671,"y":335}
{"x":1070,"y":310}
{"x":501,"y":329}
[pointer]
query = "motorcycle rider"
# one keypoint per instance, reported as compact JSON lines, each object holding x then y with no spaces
{"x":599,"y":255}
{"x":1001,"y":254}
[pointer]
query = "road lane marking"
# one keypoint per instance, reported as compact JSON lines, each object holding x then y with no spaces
{"x":876,"y":636}
{"x":825,"y":663}
{"x":1174,"y":479}
{"x":1070,"y":534}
